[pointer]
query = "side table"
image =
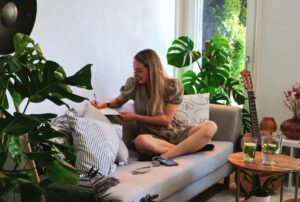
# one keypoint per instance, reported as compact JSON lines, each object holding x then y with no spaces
{"x":285,"y":164}
{"x":291,"y":144}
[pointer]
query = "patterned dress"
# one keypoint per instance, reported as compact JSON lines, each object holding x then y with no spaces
{"x":173,"y":94}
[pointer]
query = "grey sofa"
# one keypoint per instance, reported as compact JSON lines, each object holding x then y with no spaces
{"x":195,"y":172}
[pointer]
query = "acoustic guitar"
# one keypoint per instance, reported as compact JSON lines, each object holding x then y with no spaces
{"x":246,"y":186}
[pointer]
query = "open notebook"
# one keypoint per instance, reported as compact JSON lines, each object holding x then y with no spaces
{"x":110,"y":111}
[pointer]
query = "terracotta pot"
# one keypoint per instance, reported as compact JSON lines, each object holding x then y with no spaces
{"x":268,"y":125}
{"x":291,"y":128}
{"x":259,"y":199}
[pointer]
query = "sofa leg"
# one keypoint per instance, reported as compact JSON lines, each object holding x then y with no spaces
{"x":227,"y":182}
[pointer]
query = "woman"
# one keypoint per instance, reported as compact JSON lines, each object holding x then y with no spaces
{"x":155,"y":101}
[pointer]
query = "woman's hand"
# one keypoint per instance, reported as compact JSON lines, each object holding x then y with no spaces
{"x":128,"y":116}
{"x":98,"y":105}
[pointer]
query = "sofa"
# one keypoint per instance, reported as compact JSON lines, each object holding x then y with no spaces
{"x":195,"y":173}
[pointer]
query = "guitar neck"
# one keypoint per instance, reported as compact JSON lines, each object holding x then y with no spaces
{"x":253,"y":116}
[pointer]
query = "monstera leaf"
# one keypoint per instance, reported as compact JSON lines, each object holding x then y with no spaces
{"x":181,"y":53}
{"x":215,"y":76}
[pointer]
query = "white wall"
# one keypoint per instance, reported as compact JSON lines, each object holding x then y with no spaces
{"x":278,"y":57}
{"x":105,"y":33}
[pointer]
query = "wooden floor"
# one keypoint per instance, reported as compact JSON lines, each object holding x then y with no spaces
{"x":209,"y":193}
{"x":213,"y":190}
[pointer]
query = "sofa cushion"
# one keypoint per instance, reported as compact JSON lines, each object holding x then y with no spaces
{"x":164,"y":180}
{"x":96,"y":144}
{"x":193,"y":109}
{"x":93,"y":113}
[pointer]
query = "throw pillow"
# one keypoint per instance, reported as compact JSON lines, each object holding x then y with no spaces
{"x":122,"y":154}
{"x":96,"y":144}
{"x":193,"y":109}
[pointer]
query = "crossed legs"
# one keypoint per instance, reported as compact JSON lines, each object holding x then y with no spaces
{"x":197,"y":138}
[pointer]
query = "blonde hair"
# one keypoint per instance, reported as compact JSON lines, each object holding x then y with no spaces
{"x":157,"y":79}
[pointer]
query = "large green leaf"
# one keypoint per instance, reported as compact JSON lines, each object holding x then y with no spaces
{"x":219,"y":98}
{"x":59,"y":174}
{"x":14,"y":148}
{"x":41,"y":156}
{"x":191,"y":82}
{"x":28,"y":52}
{"x":20,"y":124}
{"x":44,"y":132}
{"x":12,"y":181}
{"x":9,"y":64}
{"x":17,"y":98}
{"x":181,"y":53}
{"x":53,"y":84}
{"x":28,"y":76}
{"x":81,"y":79}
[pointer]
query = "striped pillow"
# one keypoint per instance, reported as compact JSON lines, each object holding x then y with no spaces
{"x":96,"y":144}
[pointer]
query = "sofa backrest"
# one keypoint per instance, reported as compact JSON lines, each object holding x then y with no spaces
{"x":228,"y":120}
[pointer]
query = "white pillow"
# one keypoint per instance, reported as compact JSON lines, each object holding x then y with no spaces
{"x":193,"y":109}
{"x":92,"y":113}
{"x":96,"y":144}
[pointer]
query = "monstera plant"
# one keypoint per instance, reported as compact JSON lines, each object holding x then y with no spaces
{"x":214,"y":74}
{"x":28,"y":77}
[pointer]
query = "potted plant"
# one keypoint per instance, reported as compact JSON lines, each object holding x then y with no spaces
{"x":261,"y":190}
{"x":215,"y":71}
{"x":28,"y":77}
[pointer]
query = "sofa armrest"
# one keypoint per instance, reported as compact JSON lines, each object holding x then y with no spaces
{"x":228,"y":120}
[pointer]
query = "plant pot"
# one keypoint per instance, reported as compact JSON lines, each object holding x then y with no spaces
{"x":291,"y":128}
{"x":268,"y":125}
{"x":259,"y":199}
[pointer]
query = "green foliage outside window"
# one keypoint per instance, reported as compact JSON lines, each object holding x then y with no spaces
{"x":227,"y":18}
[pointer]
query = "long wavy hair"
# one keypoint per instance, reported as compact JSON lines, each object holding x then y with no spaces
{"x":157,"y":79}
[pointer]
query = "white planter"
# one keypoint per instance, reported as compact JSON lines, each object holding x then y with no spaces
{"x":259,"y":199}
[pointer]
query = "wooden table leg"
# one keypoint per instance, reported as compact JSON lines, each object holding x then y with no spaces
{"x":237,"y":195}
{"x":281,"y":188}
{"x":296,"y":186}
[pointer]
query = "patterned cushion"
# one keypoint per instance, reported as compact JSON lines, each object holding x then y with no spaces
{"x":193,"y":109}
{"x":96,"y":144}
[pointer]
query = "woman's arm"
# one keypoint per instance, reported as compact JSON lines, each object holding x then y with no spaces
{"x":112,"y":103}
{"x":163,"y":120}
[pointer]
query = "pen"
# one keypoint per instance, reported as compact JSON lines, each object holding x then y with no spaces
{"x":95,"y":97}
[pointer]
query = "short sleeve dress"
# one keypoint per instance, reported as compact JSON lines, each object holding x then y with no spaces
{"x":174,"y":92}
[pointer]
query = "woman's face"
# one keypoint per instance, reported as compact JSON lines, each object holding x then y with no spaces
{"x":141,"y":73}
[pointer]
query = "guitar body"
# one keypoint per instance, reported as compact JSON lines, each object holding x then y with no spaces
{"x":246,"y":186}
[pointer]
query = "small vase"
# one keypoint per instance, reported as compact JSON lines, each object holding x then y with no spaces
{"x":259,"y":199}
{"x":268,"y":125}
{"x":291,"y":128}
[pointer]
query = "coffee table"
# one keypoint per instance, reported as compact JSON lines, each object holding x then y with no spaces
{"x":285,"y":164}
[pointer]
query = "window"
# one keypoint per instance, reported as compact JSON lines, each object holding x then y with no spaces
{"x":227,"y":18}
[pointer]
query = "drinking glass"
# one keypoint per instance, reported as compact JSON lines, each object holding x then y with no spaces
{"x":271,"y":147}
{"x":249,"y":148}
